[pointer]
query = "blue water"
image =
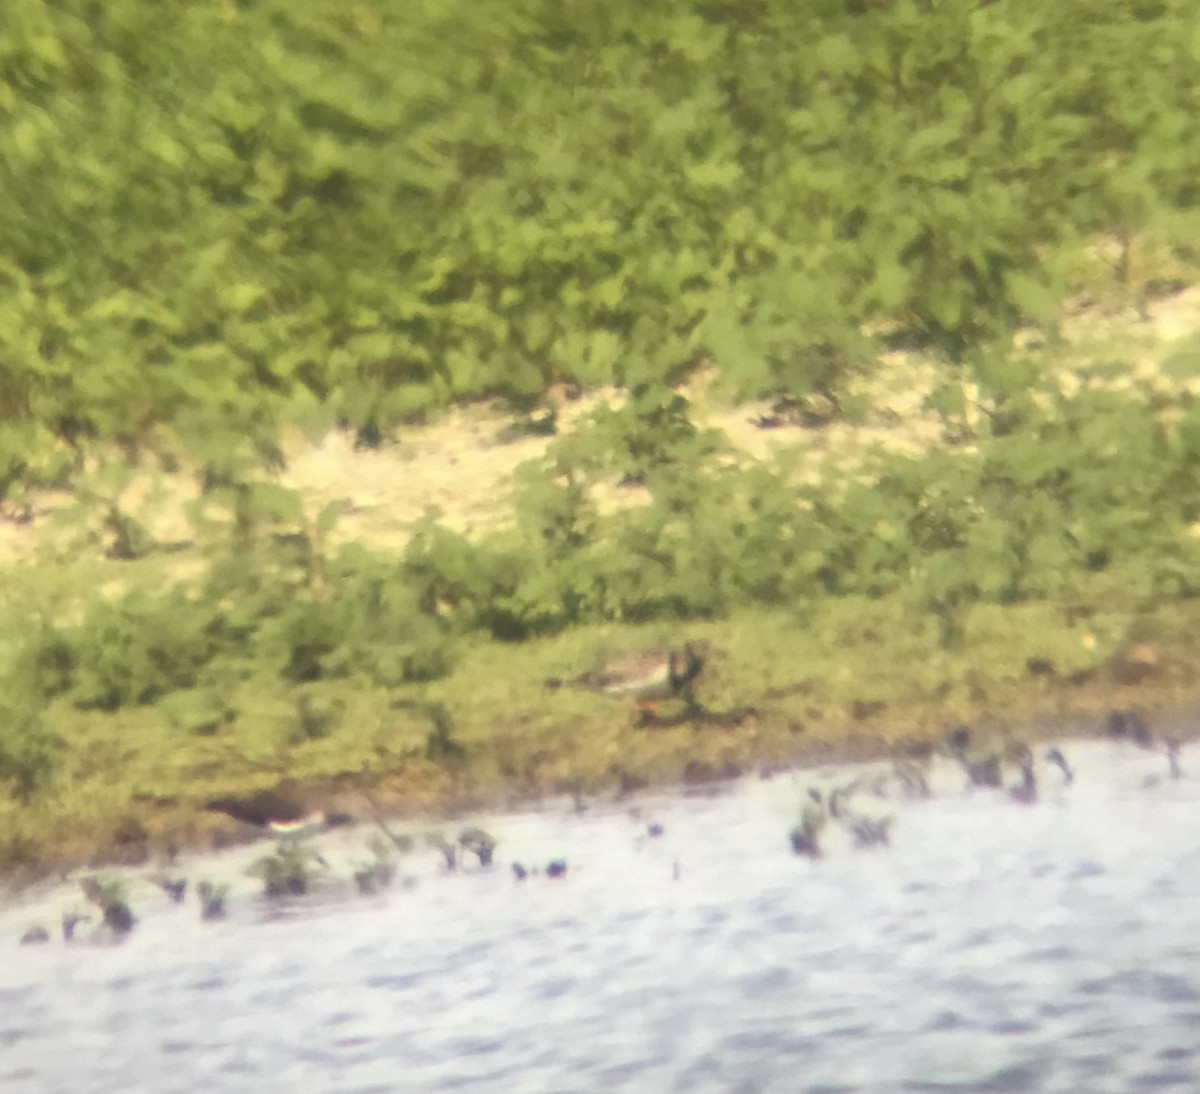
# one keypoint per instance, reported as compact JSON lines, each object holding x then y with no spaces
{"x":995,"y":947}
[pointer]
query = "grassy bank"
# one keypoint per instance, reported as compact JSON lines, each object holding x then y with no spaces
{"x":251,"y":252}
{"x":1032,"y":566}
{"x":847,"y":679}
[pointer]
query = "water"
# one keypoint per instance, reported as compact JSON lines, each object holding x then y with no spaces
{"x":996,"y":947}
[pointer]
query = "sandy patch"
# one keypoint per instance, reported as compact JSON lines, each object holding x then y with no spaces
{"x":460,"y":468}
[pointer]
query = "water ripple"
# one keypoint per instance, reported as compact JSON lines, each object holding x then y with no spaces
{"x":995,"y":949}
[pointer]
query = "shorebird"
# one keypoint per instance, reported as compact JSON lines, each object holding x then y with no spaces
{"x":281,"y":812}
{"x":647,"y":678}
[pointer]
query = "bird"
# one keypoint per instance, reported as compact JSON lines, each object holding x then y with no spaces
{"x":479,"y":843}
{"x":647,"y":678}
{"x":519,"y":871}
{"x":280,"y":812}
{"x":556,"y":868}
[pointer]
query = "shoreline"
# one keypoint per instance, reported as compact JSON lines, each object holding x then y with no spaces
{"x":830,"y":675}
{"x":677,"y":760}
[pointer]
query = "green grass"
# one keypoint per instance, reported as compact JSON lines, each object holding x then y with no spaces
{"x":989,"y":583}
{"x":843,"y":676}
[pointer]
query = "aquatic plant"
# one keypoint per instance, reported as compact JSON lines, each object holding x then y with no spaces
{"x":212,"y":899}
{"x":870,"y":831}
{"x":110,"y":894}
{"x":1056,"y":757}
{"x":174,"y":887}
{"x":805,"y":836}
{"x":1026,"y":792}
{"x":479,"y":843}
{"x":288,"y":870}
{"x":70,"y":920}
{"x":379,"y":873}
{"x":448,"y":850}
{"x":370,"y":877}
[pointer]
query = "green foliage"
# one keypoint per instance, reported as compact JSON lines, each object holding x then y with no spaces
{"x":139,"y":648}
{"x":273,"y":599}
{"x":200,"y":711}
{"x":315,"y":718}
{"x":29,"y":749}
{"x":288,"y":870}
{"x":379,"y":211}
{"x":1057,"y":490}
{"x":650,"y":433}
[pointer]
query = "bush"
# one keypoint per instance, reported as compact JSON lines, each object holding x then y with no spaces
{"x":139,"y":648}
{"x":357,"y":208}
{"x":29,"y":748}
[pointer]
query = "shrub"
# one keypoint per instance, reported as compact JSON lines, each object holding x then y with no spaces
{"x":29,"y":748}
{"x":354,"y":208}
{"x":139,"y":648}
